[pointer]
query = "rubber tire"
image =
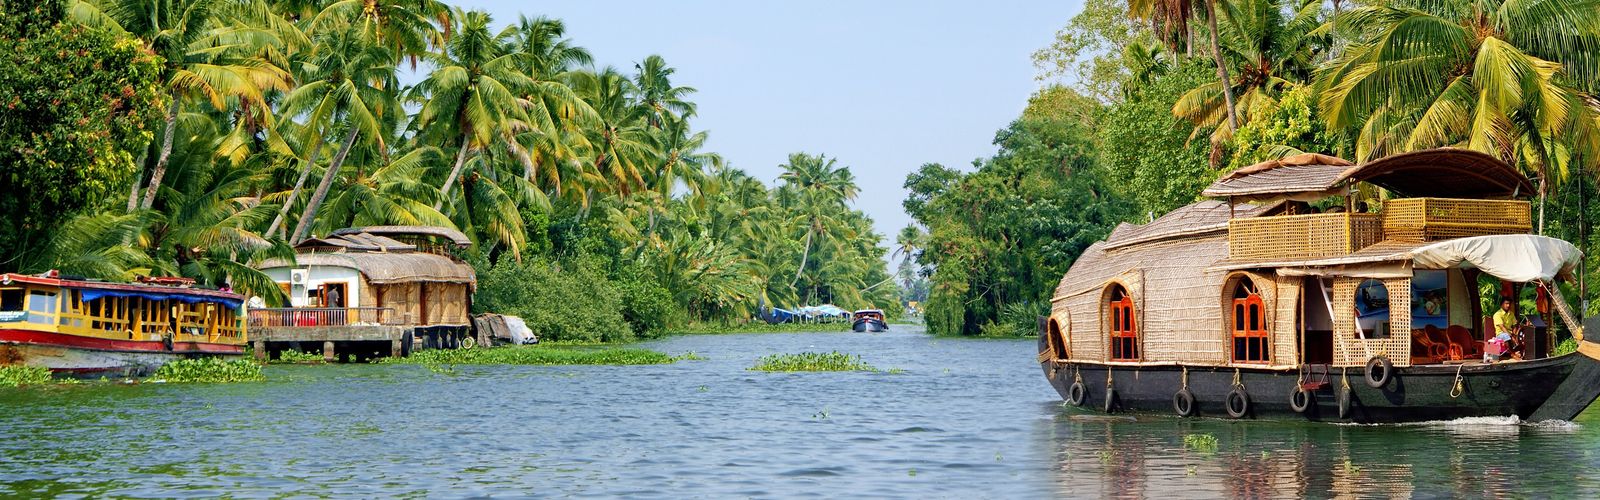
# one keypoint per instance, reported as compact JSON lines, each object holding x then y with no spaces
{"x":1380,"y":364}
{"x":406,"y":340}
{"x":1344,"y":402}
{"x":1076,"y":394}
{"x":1111,"y":400}
{"x":1183,"y":403}
{"x":1240,"y":399}
{"x":1300,"y":401}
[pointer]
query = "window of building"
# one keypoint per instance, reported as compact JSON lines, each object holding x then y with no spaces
{"x":1124,"y":325}
{"x":1251,"y":343}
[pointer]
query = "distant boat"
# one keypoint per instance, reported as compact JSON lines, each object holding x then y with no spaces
{"x":869,"y":320}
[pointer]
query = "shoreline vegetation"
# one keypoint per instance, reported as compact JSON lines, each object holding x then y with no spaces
{"x":540,"y":355}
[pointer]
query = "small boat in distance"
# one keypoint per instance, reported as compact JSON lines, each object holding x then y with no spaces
{"x":869,"y":320}
{"x":81,"y":327}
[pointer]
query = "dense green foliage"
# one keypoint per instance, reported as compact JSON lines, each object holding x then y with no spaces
{"x":197,"y":137}
{"x":20,"y":375}
{"x":537,"y":355}
{"x":1141,"y":113}
{"x":209,"y":370}
{"x":75,"y":103}
{"x":812,"y":362}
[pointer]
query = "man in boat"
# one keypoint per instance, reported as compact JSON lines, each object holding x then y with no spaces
{"x":1508,"y":331}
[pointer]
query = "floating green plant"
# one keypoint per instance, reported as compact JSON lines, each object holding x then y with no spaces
{"x":536,"y":355}
{"x":1200,"y":442}
{"x":297,"y":358}
{"x":20,"y":375}
{"x":209,"y":370}
{"x":812,"y":362}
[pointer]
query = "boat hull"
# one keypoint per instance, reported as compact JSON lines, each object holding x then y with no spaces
{"x":89,"y":356}
{"x":1531,"y":390}
{"x":869,"y":326}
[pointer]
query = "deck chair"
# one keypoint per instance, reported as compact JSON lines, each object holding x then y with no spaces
{"x":1460,"y":336}
{"x":1450,"y":351}
{"x":1425,"y":351}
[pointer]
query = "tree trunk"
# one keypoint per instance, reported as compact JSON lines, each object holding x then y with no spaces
{"x":803,"y":256}
{"x":1188,"y":44}
{"x":283,"y":212}
{"x":1222,"y":67}
{"x":166,"y":154}
{"x":1541,"y":204}
{"x":461,"y":159}
{"x":310,"y":212}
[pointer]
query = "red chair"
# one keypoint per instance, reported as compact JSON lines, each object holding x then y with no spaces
{"x":1432,"y":352}
{"x":1460,"y":336}
{"x":1451,"y":351}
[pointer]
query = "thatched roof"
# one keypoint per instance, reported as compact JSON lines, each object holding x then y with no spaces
{"x":454,"y":236}
{"x":386,"y":268}
{"x":1197,"y":218}
{"x":359,"y":241}
{"x":1444,"y":172}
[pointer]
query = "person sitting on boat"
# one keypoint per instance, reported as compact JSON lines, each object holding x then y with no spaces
{"x":1508,"y":331}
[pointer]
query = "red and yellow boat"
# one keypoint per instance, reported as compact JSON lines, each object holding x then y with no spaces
{"x":85,"y":327}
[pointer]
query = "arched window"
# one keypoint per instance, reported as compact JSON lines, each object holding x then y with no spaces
{"x":1372,"y":310}
{"x":1124,"y":325}
{"x":1251,"y":343}
{"x":1058,"y":341}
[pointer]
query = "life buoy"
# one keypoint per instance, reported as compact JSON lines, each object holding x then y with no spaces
{"x":1111,"y":400}
{"x":1379,"y":371}
{"x":1238,"y":403}
{"x":1300,"y":401}
{"x":1075,"y":394}
{"x":1344,"y":402}
{"x":1183,"y":402}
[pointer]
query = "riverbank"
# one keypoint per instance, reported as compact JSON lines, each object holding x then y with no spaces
{"x":757,"y":327}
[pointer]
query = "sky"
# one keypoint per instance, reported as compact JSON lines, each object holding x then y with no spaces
{"x":883,"y":86}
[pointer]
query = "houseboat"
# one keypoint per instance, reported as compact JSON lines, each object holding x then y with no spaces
{"x":869,"y":320}
{"x":82,"y":327}
{"x":1313,"y":288}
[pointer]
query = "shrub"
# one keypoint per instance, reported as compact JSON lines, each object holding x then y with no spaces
{"x":558,"y":302}
{"x":209,"y":370}
{"x":649,"y":308}
{"x":20,"y":375}
{"x":812,"y":362}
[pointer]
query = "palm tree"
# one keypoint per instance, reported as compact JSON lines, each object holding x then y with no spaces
{"x":653,"y":88}
{"x":1271,"y":52}
{"x":471,"y":96}
{"x":408,"y":28}
{"x":350,"y":87}
{"x":206,"y":57}
{"x":815,"y":190}
{"x":621,"y":142}
{"x":557,"y":115}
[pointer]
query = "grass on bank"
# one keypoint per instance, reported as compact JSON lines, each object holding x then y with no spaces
{"x":539,"y":355}
{"x":812,"y":362}
{"x":209,"y":370}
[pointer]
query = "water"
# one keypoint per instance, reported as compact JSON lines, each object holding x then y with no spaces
{"x":967,"y":418}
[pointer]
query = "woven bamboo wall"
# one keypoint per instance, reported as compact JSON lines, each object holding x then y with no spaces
{"x":1295,"y":237}
{"x":1063,"y":320}
{"x":1285,"y":331}
{"x":1348,"y":349}
{"x":448,"y":304}
{"x":1175,"y":298}
{"x":1434,"y":219}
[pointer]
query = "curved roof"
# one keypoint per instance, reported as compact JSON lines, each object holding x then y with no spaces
{"x":440,"y":232}
{"x":1195,"y":218}
{"x":1444,"y":172}
{"x":386,"y":268}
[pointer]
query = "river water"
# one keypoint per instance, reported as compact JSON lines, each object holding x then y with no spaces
{"x":964,"y":419}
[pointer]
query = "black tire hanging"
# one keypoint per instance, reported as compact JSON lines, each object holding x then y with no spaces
{"x":1379,"y":371}
{"x":1300,"y":401}
{"x":1344,"y":402}
{"x":1238,"y":403}
{"x":1183,"y":403}
{"x":1111,"y":400}
{"x":1075,"y":394}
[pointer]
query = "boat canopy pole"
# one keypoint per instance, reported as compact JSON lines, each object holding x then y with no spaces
{"x":1327,"y":300}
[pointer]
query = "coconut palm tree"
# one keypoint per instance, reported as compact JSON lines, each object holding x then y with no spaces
{"x":652,"y":87}
{"x":815,"y":190}
{"x":408,"y":28}
{"x":621,"y":144}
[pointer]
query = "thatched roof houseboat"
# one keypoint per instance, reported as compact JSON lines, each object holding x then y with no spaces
{"x":1271,"y":297}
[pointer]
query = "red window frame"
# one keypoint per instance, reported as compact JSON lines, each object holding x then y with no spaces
{"x":1251,"y":339}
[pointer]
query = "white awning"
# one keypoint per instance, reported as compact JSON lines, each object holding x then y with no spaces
{"x":1511,"y":257}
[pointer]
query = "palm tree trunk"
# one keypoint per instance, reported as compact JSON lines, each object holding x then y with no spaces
{"x":803,"y":256}
{"x":283,"y":212}
{"x":1222,"y":67}
{"x":1188,"y":46}
{"x":166,"y":154}
{"x":310,"y":212}
{"x":461,"y":159}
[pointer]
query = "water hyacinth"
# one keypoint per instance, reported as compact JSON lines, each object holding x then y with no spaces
{"x":20,"y":375}
{"x":537,"y":355}
{"x":812,"y":362}
{"x":209,"y":370}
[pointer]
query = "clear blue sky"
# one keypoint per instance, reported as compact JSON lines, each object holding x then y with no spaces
{"x":884,"y":86}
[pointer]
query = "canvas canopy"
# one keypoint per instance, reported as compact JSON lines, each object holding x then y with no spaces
{"x":1511,"y":257}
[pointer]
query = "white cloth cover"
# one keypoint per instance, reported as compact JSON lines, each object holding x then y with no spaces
{"x":520,"y":333}
{"x":1511,"y":257}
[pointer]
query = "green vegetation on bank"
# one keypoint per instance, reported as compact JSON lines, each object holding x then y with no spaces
{"x":20,"y":375}
{"x":539,"y":355}
{"x":1138,"y":120}
{"x":196,"y":137}
{"x":757,"y":327}
{"x":209,"y":370}
{"x":812,"y":362}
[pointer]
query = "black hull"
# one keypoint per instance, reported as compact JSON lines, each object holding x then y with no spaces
{"x":869,"y":326}
{"x":1548,"y":389}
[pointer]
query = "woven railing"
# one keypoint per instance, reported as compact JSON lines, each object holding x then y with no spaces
{"x":324,"y":316}
{"x":1294,"y":237}
{"x":1434,"y":219}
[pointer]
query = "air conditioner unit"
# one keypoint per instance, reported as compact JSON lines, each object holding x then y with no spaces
{"x":299,"y":276}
